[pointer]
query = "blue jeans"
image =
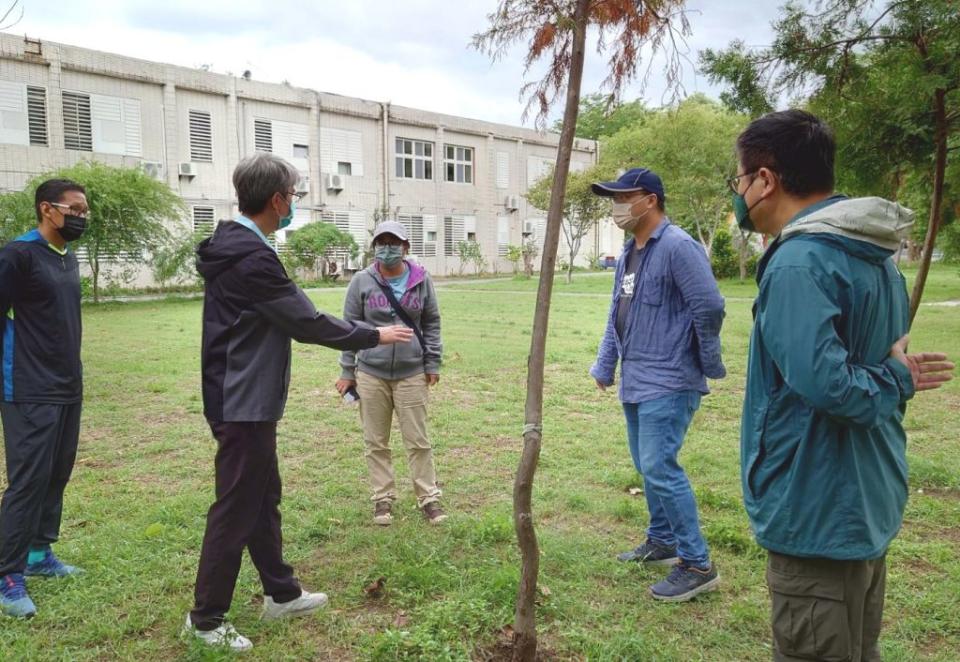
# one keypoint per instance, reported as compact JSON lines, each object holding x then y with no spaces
{"x":655,"y":431}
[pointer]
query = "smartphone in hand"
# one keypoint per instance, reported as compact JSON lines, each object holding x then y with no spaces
{"x":350,"y":396}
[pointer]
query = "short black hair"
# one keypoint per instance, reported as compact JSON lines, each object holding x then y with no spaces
{"x":797,"y":145}
{"x":52,"y":190}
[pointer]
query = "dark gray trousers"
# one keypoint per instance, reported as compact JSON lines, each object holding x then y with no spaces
{"x":40,"y":441}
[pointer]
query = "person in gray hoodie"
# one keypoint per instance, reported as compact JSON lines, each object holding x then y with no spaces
{"x":394,"y":381}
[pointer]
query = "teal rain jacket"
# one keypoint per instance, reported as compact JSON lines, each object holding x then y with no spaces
{"x":823,"y":450}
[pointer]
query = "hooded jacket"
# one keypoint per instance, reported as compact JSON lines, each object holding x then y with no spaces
{"x":251,"y":310}
{"x":366,"y":302}
{"x":823,"y":450}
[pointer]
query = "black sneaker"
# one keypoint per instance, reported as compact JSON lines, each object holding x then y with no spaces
{"x":686,"y":582}
{"x":651,"y":553}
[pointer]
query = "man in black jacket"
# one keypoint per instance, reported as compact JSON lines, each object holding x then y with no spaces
{"x":251,"y":310}
{"x":42,"y":387}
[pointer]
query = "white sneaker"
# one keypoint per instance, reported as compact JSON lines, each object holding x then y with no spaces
{"x":224,"y":636}
{"x":307,"y":603}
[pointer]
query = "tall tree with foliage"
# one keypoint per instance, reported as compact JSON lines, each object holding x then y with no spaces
{"x":556,"y":30}
{"x":582,"y":210}
{"x":600,"y":117}
{"x":129,"y":213}
{"x":689,"y":146}
{"x":886,"y":74}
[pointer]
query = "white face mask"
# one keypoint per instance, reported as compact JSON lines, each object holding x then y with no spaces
{"x":624,"y":218}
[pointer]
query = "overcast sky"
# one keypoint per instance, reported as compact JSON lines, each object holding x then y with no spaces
{"x":410,"y":52}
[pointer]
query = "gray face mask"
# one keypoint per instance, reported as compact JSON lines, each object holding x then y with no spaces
{"x":389,"y":256}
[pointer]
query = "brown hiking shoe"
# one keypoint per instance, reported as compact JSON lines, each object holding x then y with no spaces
{"x":381,"y":513}
{"x":433,"y":512}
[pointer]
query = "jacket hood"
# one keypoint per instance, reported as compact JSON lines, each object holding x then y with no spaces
{"x":230,"y":243}
{"x":417,"y":273}
{"x":875,"y":221}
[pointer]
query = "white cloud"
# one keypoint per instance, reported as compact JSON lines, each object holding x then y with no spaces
{"x":413,"y":53}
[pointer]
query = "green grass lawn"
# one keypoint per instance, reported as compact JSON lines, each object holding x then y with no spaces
{"x":135,"y":509}
{"x":943,"y":284}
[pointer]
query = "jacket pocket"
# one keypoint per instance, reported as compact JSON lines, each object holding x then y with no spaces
{"x":809,"y":616}
{"x":652,"y":294}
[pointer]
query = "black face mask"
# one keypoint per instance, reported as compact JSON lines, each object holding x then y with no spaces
{"x":73,"y":227}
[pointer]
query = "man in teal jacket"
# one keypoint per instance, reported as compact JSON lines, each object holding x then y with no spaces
{"x":823,"y":449}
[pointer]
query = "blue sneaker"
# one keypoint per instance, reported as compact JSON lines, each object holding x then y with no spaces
{"x":651,"y":553}
{"x":14,"y":600}
{"x":685,"y":582}
{"x":51,"y":566}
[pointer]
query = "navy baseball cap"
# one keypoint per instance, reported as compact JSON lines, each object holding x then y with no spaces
{"x":635,"y":179}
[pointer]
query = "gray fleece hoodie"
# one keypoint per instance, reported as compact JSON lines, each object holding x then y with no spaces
{"x":366,"y":302}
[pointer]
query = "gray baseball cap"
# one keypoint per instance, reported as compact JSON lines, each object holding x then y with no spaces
{"x":391,"y":227}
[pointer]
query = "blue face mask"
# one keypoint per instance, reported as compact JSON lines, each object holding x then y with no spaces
{"x":389,"y":256}
{"x":288,"y":219}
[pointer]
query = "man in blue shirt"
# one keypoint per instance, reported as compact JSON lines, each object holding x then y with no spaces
{"x":664,"y":327}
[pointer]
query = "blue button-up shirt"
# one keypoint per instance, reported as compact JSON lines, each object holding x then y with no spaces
{"x":671,"y":339}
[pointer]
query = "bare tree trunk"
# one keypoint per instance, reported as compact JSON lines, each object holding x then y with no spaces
{"x":936,"y":203}
{"x":525,"y":618}
{"x":95,"y":270}
{"x":743,"y":255}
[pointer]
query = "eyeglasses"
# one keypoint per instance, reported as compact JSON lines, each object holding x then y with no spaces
{"x":82,"y":213}
{"x":734,"y":182}
{"x":296,"y":195}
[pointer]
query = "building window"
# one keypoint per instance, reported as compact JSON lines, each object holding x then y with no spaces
{"x":203,"y":222}
{"x":340,"y":149}
{"x":420,"y":228}
{"x":503,"y":235}
{"x":263,"y":135}
{"x":77,"y":128}
{"x":414,"y":159}
{"x":453,"y":234}
{"x":301,"y":151}
{"x":503,"y":170}
{"x":23,"y":114}
{"x":458,"y":164}
{"x":201,"y":136}
{"x":37,"y":114}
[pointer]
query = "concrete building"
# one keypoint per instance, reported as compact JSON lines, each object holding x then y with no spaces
{"x":446,"y":178}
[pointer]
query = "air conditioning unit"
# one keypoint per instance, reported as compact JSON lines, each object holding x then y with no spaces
{"x":303,"y":186}
{"x":512,"y":203}
{"x":334,"y":182}
{"x":529,"y":227}
{"x":153,"y":169}
{"x":187,"y":169}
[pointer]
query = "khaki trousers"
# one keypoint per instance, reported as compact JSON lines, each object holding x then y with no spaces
{"x":380,"y":400}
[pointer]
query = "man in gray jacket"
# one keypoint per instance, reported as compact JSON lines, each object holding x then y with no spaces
{"x":395,"y":380}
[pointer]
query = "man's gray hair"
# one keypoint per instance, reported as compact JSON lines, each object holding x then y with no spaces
{"x":256,"y":178}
